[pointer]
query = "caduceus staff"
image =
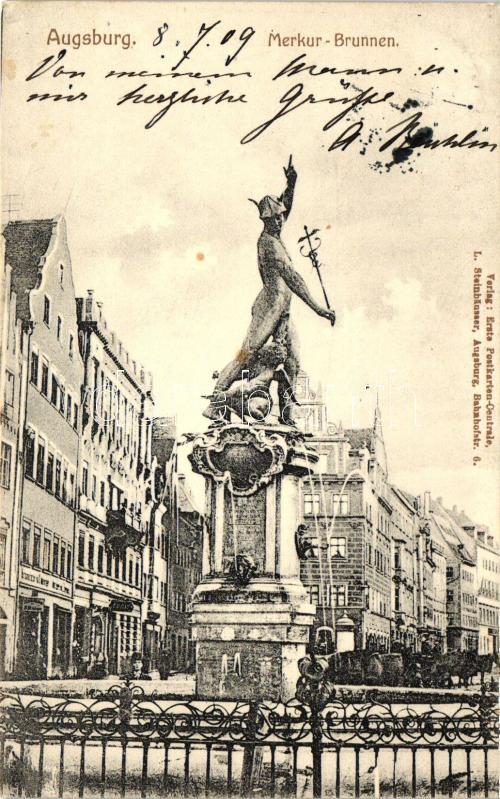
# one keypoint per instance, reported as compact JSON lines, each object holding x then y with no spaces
{"x":314,"y":243}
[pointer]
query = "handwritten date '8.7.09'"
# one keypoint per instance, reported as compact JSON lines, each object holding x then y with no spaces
{"x":231,"y":37}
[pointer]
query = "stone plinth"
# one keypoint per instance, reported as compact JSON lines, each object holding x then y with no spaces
{"x":250,"y":614}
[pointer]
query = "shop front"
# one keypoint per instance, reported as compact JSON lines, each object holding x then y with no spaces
{"x":106,"y":636}
{"x":44,"y":638}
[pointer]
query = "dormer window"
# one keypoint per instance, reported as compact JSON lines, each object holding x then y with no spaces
{"x":46,"y":310}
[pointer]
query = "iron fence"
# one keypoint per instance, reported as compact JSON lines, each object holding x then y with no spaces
{"x":323,"y":743}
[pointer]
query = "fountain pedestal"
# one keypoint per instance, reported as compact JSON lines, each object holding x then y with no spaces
{"x":250,"y":614}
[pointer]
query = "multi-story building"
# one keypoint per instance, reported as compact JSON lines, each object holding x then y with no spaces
{"x":11,"y":362}
{"x":116,"y":498}
{"x":49,"y":399}
{"x":404,"y":528}
{"x":346,"y":507}
{"x":183,"y":525}
{"x":461,"y":581}
{"x":487,"y":581}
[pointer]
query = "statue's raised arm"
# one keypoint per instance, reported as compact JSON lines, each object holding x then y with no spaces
{"x":291,"y":179}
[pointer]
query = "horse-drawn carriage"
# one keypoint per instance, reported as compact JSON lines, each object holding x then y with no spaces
{"x":408,"y":668}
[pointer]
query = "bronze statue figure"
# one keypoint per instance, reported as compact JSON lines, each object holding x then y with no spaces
{"x":270,"y":320}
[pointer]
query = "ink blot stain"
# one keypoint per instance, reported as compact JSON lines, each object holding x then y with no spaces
{"x":200,"y":256}
{"x":410,"y":104}
{"x":419,"y":139}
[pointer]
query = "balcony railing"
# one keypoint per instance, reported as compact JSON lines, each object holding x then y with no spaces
{"x":124,"y":529}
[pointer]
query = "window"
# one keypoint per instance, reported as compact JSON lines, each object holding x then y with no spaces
{"x":117,"y":568}
{"x":5,"y":462}
{"x":37,"y":536}
{"x":337,"y":547}
{"x":94,"y":488}
{"x":64,"y":489}
{"x":109,"y":564}
{"x":9,"y":393}
{"x":311,"y":504}
{"x":449,"y":595}
{"x":81,"y":549}
{"x":55,"y":555}
{"x":49,"y":479}
{"x":137,"y":574}
{"x":75,"y":416}
{"x":47,"y":541}
{"x":313,"y":591}
{"x":449,"y":572}
{"x":130,"y":573}
{"x":46,"y":310}
{"x":90,"y":554}
{"x":102,"y":496}
{"x":58,"y":477}
{"x":338,"y":595}
{"x":54,"y":390}
{"x":100,"y":558}
{"x":71,"y":491}
{"x":30,"y":453}
{"x":40,"y":461}
{"x":61,"y":275}
{"x":85,"y":478}
{"x":62,"y":399}
{"x":340,"y":505}
{"x":26,"y":542}
{"x":62,"y":569}
{"x":397,"y":598}
{"x":69,"y":562}
{"x":34,"y":368}
{"x":69,"y":407}
{"x":71,"y":345}
{"x":44,"y":388}
{"x":59,"y":328}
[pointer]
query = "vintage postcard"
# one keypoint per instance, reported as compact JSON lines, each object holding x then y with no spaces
{"x":249,"y":503}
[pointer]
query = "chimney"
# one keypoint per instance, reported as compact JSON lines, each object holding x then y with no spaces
{"x":491,"y":541}
{"x":427,"y":503}
{"x":480,"y":535}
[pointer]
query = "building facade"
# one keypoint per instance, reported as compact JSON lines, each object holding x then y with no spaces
{"x":11,"y":366}
{"x":116,"y":498}
{"x":404,"y":529}
{"x":183,"y":525}
{"x":488,"y":583}
{"x":347,"y":511}
{"x":49,"y":398}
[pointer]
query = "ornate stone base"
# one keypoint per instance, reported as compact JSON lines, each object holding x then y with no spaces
{"x":250,"y":614}
{"x":249,"y":640}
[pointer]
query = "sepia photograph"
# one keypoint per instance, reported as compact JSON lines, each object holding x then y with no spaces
{"x":249,"y":464}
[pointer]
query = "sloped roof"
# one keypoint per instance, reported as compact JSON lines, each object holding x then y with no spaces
{"x":407,"y":498}
{"x":26,"y":243}
{"x":461,"y":544}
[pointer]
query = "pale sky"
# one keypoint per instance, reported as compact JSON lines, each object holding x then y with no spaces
{"x":159,"y":223}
